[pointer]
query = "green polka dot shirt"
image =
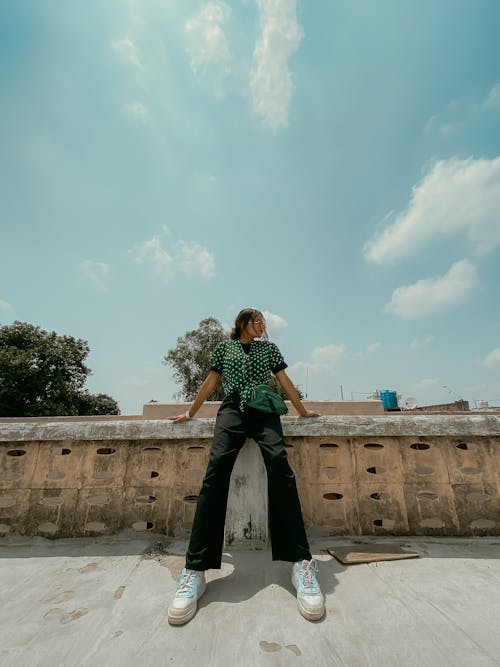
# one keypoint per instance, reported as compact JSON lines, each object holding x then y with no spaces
{"x":242,"y":371}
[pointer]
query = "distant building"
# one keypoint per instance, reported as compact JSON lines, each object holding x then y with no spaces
{"x":461,"y":406}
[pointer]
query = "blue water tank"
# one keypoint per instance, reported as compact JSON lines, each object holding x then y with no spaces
{"x":389,"y":399}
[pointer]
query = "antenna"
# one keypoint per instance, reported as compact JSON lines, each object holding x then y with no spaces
{"x":450,"y":391}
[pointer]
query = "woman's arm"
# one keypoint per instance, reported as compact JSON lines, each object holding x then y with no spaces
{"x":292,"y":394}
{"x":206,"y":389}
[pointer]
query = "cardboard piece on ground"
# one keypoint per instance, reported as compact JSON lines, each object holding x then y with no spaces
{"x":367,"y":553}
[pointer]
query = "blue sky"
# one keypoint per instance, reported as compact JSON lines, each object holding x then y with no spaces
{"x":335,"y":164}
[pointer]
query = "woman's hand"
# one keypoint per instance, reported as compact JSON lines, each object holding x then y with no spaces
{"x":206,"y":389}
{"x":310,"y":413}
{"x":178,"y":419}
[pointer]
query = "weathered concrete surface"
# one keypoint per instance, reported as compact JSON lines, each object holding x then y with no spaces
{"x":100,"y":602}
{"x":356,"y":425}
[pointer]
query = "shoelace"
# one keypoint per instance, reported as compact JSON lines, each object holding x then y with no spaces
{"x":186,"y":583}
{"x":309,"y":572}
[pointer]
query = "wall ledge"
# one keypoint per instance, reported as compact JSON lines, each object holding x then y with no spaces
{"x":350,"y":426}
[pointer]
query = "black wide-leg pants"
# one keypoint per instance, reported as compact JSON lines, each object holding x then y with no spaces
{"x":232,"y":427}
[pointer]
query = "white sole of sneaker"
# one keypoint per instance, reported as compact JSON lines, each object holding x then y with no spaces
{"x":181,"y":619}
{"x":310,"y":615}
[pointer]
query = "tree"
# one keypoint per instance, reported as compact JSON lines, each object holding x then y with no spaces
{"x":44,"y":374}
{"x":190,"y":360}
{"x":97,"y":404}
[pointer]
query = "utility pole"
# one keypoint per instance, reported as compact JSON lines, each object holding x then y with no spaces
{"x":341,"y":392}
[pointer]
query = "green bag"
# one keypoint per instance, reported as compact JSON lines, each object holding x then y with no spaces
{"x":263,"y":398}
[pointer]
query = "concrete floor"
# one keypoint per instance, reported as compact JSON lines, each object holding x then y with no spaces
{"x":104,"y":601}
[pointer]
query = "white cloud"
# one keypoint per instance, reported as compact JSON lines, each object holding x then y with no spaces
{"x":207,"y":45}
{"x":418,"y":343}
{"x":322,"y":359}
{"x":180,"y":257}
{"x":427,"y":382}
{"x":433,"y":295}
{"x":374,"y":346}
{"x":127,"y":51}
{"x":193,"y":258}
{"x":95,"y":272}
{"x":492,"y":359}
{"x":270,"y":78}
{"x":275,"y":323}
{"x":455,"y":196}
{"x":137,"y":111}
{"x":463,"y":114}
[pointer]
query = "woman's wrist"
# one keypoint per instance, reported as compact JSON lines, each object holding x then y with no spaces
{"x":187,"y":415}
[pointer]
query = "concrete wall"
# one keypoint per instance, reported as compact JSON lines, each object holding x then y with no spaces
{"x":389,"y":474}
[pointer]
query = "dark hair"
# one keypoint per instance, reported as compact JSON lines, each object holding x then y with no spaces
{"x":242,"y":319}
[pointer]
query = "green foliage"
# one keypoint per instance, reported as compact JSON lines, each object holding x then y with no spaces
{"x":97,"y":404}
{"x":43,"y":374}
{"x":190,"y":358}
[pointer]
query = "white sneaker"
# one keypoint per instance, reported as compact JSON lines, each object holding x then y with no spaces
{"x":310,"y":599}
{"x":191,"y":587}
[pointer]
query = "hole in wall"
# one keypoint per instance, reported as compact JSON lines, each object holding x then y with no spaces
{"x":96,"y":527}
{"x":482,"y":523}
{"x":9,"y":476}
{"x":388,"y":524}
{"x":377,"y":495}
{"x":103,"y":474}
{"x":288,"y":446}
{"x":420,"y":446}
{"x":329,"y":445}
{"x":55,"y":474}
{"x":52,"y":501}
{"x":426,"y":495}
{"x":98,"y":499}
{"x":375,"y":470}
{"x":466,"y":446}
{"x":333,"y":496}
{"x":152,"y":473}
{"x":106,"y":451}
{"x":151,"y":449}
{"x":145,"y":499}
{"x":477,"y":497}
{"x":433,"y":522}
{"x":65,"y":451}
{"x":190,"y":499}
{"x":373,"y":445}
{"x":16,"y":452}
{"x":143,"y":525}
{"x":192,"y":448}
{"x":424,"y":470}
{"x":47,"y":527}
{"x":470,"y":471}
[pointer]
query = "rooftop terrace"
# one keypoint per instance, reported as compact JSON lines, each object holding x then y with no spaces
{"x":103,"y":601}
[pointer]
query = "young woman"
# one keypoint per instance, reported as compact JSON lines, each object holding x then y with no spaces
{"x":244,"y":361}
